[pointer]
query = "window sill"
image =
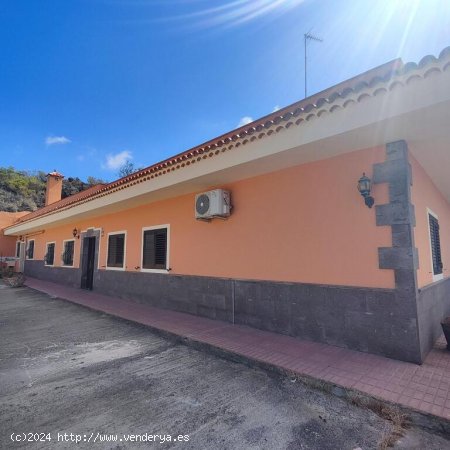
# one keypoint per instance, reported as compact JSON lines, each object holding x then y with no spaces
{"x":115,"y":268}
{"x":155,"y":270}
{"x":438,"y":277}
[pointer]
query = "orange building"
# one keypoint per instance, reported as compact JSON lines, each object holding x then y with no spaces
{"x":265,"y":226}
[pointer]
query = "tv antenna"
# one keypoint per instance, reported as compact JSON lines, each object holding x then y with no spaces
{"x":308,"y":37}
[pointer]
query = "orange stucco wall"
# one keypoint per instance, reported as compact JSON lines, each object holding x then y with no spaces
{"x":8,"y":243}
{"x":425,"y":195}
{"x":307,"y":224}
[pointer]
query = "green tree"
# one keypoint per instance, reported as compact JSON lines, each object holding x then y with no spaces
{"x":92,"y":181}
{"x":25,"y":190}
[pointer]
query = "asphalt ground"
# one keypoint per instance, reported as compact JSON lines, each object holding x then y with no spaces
{"x":70,"y":374}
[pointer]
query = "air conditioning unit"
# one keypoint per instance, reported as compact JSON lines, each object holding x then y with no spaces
{"x":212,"y":204}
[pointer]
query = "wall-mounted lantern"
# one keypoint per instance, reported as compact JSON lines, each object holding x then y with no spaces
{"x":76,"y":233}
{"x":364,"y":188}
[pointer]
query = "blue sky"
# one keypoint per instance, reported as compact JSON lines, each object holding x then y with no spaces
{"x":84,"y":84}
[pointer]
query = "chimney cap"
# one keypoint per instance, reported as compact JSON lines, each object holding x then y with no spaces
{"x":55,"y":174}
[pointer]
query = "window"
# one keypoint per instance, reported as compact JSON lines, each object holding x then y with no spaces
{"x":154,"y":248}
{"x":49,"y":257}
{"x":435,"y":241}
{"x":116,"y":250}
{"x":30,"y":249}
{"x":18,"y":249}
{"x":67,"y":256}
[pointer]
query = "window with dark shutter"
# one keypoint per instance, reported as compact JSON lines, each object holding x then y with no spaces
{"x":435,"y":245}
{"x":116,"y":250}
{"x":30,"y":250}
{"x":154,"y":252}
{"x":50,"y":255}
{"x":67,"y":256}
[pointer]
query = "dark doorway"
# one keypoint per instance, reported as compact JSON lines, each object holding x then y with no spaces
{"x":88,"y":263}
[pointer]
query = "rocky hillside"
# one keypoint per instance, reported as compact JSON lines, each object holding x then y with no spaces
{"x":25,"y":191}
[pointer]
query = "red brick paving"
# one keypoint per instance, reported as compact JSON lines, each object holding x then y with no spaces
{"x":425,"y":388}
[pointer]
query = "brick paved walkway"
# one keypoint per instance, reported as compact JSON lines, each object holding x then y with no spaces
{"x":425,"y":388}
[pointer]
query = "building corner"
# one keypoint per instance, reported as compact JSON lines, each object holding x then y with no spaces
{"x":402,"y":257}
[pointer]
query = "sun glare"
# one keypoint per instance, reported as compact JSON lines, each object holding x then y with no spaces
{"x":236,"y":12}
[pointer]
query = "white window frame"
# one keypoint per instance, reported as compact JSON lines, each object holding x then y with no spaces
{"x":54,"y":254}
{"x":124,"y":251}
{"x":63,"y":250}
{"x":27,"y":248}
{"x":156,"y":227}
{"x":439,"y":276}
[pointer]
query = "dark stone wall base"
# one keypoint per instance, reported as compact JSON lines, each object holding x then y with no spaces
{"x":201,"y":296}
{"x":433,"y":305}
{"x":366,"y":319}
{"x":63,"y":275}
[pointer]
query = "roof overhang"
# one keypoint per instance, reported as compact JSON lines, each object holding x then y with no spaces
{"x":414,"y":108}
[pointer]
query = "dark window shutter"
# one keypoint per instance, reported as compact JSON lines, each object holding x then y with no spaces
{"x":116,"y":249}
{"x":435,"y":245}
{"x":154,"y":254}
{"x":18,"y":250}
{"x":68,"y":253}
{"x":50,"y":256}
{"x":30,"y":252}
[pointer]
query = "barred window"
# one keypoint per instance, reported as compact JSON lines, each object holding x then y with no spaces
{"x":50,"y":254}
{"x":116,"y":250}
{"x":30,"y":249}
{"x":67,"y":256}
{"x":435,"y":239}
{"x":154,"y":249}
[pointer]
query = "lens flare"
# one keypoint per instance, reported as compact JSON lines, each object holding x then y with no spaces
{"x":235,"y":13}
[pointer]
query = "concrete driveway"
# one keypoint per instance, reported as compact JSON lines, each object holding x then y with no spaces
{"x":71,"y":374}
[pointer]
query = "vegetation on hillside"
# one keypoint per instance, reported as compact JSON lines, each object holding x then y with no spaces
{"x":25,"y":191}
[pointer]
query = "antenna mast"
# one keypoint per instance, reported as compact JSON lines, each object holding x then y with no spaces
{"x":308,"y":37}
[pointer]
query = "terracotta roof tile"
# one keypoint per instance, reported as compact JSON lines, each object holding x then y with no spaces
{"x":62,"y":203}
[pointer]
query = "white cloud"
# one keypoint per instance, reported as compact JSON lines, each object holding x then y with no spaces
{"x":276,"y":108}
{"x":56,"y":140}
{"x":245,"y":120}
{"x":114,"y":162}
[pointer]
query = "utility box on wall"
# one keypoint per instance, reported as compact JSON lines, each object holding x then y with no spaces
{"x":213,"y":204}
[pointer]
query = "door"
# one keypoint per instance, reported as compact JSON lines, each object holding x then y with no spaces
{"x":88,"y":263}
{"x":22,"y":257}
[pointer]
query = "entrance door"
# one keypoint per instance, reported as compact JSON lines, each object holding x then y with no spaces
{"x":88,"y":262}
{"x":22,"y":257}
